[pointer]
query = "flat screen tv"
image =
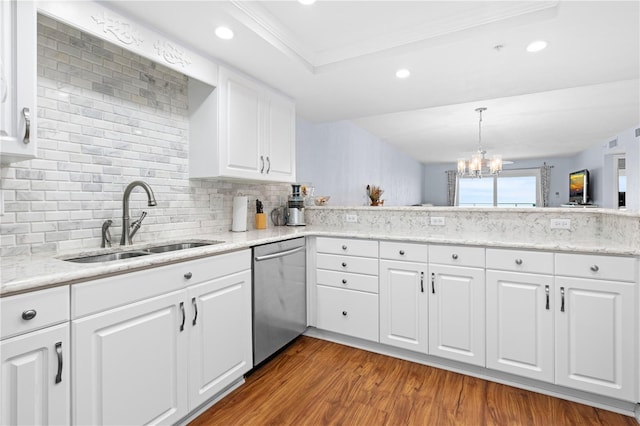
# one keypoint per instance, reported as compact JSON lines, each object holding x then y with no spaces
{"x":579,"y":187}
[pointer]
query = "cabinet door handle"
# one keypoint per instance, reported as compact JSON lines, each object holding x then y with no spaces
{"x":344,"y":313}
{"x":546,"y":290}
{"x":195,"y":309}
{"x":518,"y":261}
{"x":433,"y":283}
{"x":29,"y":314}
{"x":184,"y":318}
{"x":27,"y":121}
{"x":594,"y":268}
{"x":454,"y":256}
{"x":59,"y":354}
{"x":268,"y":165}
{"x":261,"y":164}
{"x":421,"y":282}
{"x":561,"y":299}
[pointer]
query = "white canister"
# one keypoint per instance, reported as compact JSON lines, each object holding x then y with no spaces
{"x":239,"y":223}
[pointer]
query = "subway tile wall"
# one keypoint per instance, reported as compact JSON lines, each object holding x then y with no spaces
{"x":107,"y":117}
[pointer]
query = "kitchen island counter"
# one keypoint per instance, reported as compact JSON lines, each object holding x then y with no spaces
{"x":596,"y":231}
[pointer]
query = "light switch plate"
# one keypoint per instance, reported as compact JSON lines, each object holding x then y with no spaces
{"x":560,"y":223}
{"x":351,"y":218}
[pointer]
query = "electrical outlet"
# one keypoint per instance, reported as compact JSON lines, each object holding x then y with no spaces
{"x":437,"y":221}
{"x":560,"y":223}
{"x":351,"y":218}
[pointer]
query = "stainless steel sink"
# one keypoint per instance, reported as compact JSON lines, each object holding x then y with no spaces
{"x":108,"y":257}
{"x":181,"y":246}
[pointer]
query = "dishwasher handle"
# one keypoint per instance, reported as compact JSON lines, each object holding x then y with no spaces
{"x":278,"y":254}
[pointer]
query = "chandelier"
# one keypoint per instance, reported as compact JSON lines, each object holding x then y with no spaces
{"x":479,"y":164}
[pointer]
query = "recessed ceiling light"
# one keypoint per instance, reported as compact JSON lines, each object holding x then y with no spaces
{"x":536,"y":46}
{"x":224,"y":33}
{"x":403,"y":73}
{"x":306,"y":2}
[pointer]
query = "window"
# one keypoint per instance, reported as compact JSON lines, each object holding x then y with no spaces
{"x":511,"y":188}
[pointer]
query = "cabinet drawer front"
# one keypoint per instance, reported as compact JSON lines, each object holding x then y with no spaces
{"x":410,"y":252}
{"x":30,"y":311}
{"x":364,"y":248}
{"x":118,"y":290}
{"x":596,"y":266}
{"x":457,"y":255}
{"x":353,"y":313}
{"x":368,"y":283}
{"x":358,"y":265}
{"x":520,"y":261}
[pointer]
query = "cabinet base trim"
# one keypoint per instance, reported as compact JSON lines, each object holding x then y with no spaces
{"x":617,"y":406}
{"x":210,"y":403}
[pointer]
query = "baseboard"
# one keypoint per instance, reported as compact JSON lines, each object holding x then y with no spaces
{"x":606,"y":403}
{"x":210,"y":403}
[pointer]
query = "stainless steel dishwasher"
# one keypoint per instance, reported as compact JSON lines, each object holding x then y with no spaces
{"x":279,"y":296}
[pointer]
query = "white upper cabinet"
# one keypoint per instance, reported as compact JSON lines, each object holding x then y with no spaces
{"x":18,"y":58}
{"x":241,"y":129}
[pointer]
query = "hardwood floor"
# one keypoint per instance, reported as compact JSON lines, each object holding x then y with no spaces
{"x":315,"y":382}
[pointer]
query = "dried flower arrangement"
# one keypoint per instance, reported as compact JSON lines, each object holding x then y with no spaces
{"x":374,"y":193}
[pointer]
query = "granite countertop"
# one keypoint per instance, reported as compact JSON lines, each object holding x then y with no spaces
{"x":26,"y":273}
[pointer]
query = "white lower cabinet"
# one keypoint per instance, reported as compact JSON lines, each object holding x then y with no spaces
{"x":347,"y":287}
{"x":596,"y":336}
{"x":220,"y":346}
{"x":457,"y":313}
{"x":155,"y":360}
{"x":404,"y":304}
{"x":34,"y":380}
{"x":35,"y":358}
{"x":520,"y":309}
{"x":457,"y":303}
{"x":130,"y":364}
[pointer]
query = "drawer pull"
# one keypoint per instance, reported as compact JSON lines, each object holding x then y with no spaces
{"x":188,"y":275}
{"x":344,"y":247}
{"x":59,"y":354}
{"x":594,"y":268}
{"x":401,"y":252}
{"x":344,"y":264}
{"x":344,"y":281}
{"x":195,"y":308}
{"x":29,"y":315}
{"x":454,"y":256}
{"x":344,"y":313}
{"x":184,"y":318}
{"x":546,"y":290}
{"x":518,"y":261}
{"x":561,"y":299}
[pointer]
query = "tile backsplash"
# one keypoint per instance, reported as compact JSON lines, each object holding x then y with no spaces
{"x":107,"y":117}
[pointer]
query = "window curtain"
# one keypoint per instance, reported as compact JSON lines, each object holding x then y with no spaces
{"x":545,"y":180}
{"x":451,"y":187}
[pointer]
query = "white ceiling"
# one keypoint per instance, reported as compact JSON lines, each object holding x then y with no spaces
{"x":338,"y":60}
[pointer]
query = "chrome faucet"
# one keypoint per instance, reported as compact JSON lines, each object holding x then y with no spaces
{"x":106,"y":234}
{"x":127,"y":235}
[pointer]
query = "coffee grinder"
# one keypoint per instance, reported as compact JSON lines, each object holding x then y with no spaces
{"x":295,"y":207}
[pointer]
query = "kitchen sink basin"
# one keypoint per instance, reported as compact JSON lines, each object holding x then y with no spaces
{"x":180,"y":246}
{"x":108,"y":257}
{"x":164,"y":248}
